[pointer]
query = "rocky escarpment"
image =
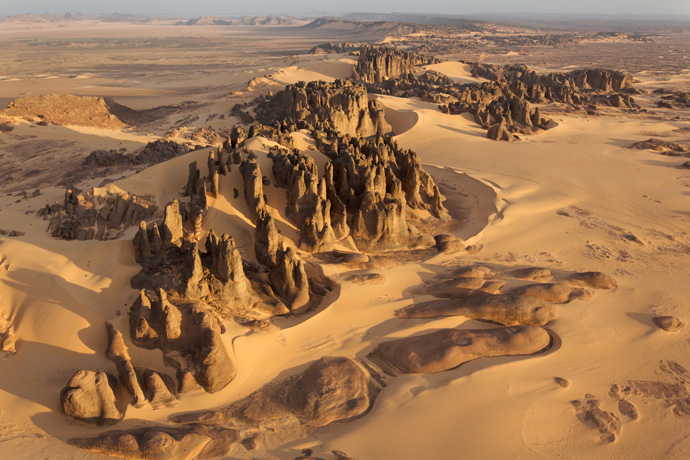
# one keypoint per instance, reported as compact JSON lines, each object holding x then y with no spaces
{"x":342,"y":105}
{"x":376,"y":64}
{"x":604,"y":80}
{"x":99,"y":216}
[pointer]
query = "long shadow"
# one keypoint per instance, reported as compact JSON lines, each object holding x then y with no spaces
{"x":39,"y":371}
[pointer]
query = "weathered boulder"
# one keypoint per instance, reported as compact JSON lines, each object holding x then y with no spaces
{"x":506,"y":309}
{"x":89,"y":397}
{"x":329,"y":390}
{"x":449,"y":348}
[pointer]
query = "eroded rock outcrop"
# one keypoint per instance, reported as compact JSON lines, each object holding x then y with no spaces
{"x":129,"y":377}
{"x":89,"y":397}
{"x":506,"y":309}
{"x":329,"y":390}
{"x":188,"y":333}
{"x":289,"y":281}
{"x":266,"y":239}
{"x":253,"y":186}
{"x":343,"y":105}
{"x":103,"y":217}
{"x":448,"y":348}
{"x":162,"y":442}
{"x":376,"y":64}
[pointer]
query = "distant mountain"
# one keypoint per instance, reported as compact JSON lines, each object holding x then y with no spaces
{"x":34,"y":18}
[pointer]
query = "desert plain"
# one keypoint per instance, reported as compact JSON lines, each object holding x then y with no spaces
{"x":394,"y":283}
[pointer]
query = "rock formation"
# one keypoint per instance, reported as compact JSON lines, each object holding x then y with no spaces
{"x":552,"y":292}
{"x":160,"y":389}
{"x":667,"y":323}
{"x":253,"y":186}
{"x":376,"y":64}
{"x":89,"y":397}
{"x":103,"y":217}
{"x":448,"y":348}
{"x":506,"y":309}
{"x":129,"y":378}
{"x":593,"y":280}
{"x":289,"y":281}
{"x":499,"y":132}
{"x":343,"y":105}
{"x":329,"y":390}
{"x":266,"y":239}
{"x":162,"y":442}
{"x":188,"y":334}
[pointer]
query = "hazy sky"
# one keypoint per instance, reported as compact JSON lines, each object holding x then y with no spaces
{"x":238,"y":7}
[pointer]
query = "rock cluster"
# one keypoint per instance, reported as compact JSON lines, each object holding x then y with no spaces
{"x":162,"y":442}
{"x":153,"y":153}
{"x":502,"y":104}
{"x":366,"y":192}
{"x":603,"y":80}
{"x":376,"y":64}
{"x":188,"y":334}
{"x":342,"y":105}
{"x":103,"y":217}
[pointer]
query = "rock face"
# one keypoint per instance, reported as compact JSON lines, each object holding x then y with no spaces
{"x":89,"y":397}
{"x":162,"y":442}
{"x":266,"y":239}
{"x":343,"y":105}
{"x":117,"y":353}
{"x":448,"y":348}
{"x":376,"y":64}
{"x":506,"y":309}
{"x":161,"y":390}
{"x":587,"y":79}
{"x":85,"y":217}
{"x":216,"y":276}
{"x":188,"y":334}
{"x":253,"y":186}
{"x":289,"y":281}
{"x":499,"y":132}
{"x":329,"y":390}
